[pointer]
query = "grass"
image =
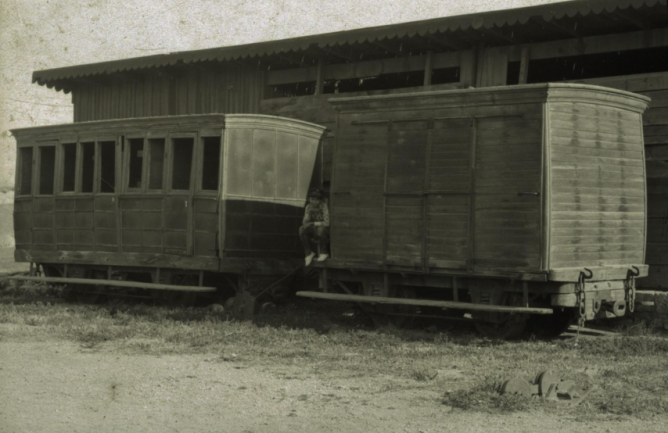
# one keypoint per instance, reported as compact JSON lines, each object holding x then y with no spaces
{"x":629,"y":373}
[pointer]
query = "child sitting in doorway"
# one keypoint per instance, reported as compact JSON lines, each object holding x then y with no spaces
{"x":315,"y":225}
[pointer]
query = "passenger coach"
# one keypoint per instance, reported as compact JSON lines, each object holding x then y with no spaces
{"x":179,"y":204}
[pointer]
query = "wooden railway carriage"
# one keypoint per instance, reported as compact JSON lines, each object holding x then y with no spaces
{"x":516,"y":199}
{"x":179,"y":202}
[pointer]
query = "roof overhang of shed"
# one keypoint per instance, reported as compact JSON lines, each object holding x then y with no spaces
{"x":579,"y":18}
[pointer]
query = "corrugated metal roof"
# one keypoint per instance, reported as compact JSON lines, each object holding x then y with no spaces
{"x":447,"y":26}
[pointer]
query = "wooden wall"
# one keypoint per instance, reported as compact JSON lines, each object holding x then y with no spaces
{"x":228,"y":89}
{"x":597,"y":186}
{"x":655,"y":131}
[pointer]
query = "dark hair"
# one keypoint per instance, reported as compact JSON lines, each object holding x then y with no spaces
{"x":315,"y":193}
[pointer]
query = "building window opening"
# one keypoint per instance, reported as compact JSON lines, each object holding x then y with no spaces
{"x":381,"y":82}
{"x":304,"y":88}
{"x":69,"y":166}
{"x":156,"y":162}
{"x":609,"y":64}
{"x":136,"y":148}
{"x":26,"y":171}
{"x":107,"y":166}
{"x":445,"y":75}
{"x":87,"y":167}
{"x":210,"y":163}
{"x":183,"y":157}
{"x":47,"y":169}
{"x":513,"y":73}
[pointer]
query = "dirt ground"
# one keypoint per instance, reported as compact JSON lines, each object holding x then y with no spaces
{"x":55,"y":387}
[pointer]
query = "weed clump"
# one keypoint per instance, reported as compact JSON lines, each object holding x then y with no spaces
{"x":485,"y":397}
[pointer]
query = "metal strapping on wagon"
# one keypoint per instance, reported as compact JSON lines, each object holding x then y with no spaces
{"x":132,"y":284}
{"x":425,"y":303}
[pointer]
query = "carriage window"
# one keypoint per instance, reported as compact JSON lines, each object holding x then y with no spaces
{"x":136,"y":162}
{"x":211,"y":163}
{"x":157,"y":162}
{"x":47,"y":169}
{"x":69,"y":166}
{"x":26,"y":171}
{"x":88,"y":166}
{"x":183,"y":156}
{"x":107,"y":166}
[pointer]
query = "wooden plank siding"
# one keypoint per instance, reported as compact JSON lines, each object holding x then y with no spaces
{"x":598,"y":186}
{"x":655,"y":134}
{"x":228,"y":89}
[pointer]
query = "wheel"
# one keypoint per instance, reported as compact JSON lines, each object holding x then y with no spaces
{"x":175,"y":298}
{"x":551,"y":325}
{"x":178,"y":298}
{"x":391,"y":314}
{"x":510,"y":327}
{"x":85,"y":293}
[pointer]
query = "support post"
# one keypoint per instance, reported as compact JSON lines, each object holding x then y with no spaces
{"x":524,"y":65}
{"x":320,"y":77}
{"x":428,"y":68}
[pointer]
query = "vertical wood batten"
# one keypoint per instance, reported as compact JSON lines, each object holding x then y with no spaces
{"x":546,"y":193}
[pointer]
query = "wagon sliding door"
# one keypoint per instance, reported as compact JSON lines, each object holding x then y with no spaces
{"x":404,"y":192}
{"x":428,"y":193}
{"x":448,"y":210}
{"x":507,"y":185}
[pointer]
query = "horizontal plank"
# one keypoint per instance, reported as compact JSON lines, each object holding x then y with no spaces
{"x":582,"y":173}
{"x":597,"y":232}
{"x":423,"y":303}
{"x":630,"y":216}
{"x":596,"y":223}
{"x":602,"y":160}
{"x":602,"y":192}
{"x":632,"y":256}
{"x":586,"y":120}
{"x":116,"y":283}
{"x":587,"y":129}
{"x":579,"y":207}
{"x":591,"y":248}
{"x":623,"y":184}
{"x":559,"y":198}
{"x":578,"y":262}
{"x":595,"y":143}
{"x":596,"y":165}
{"x":567,"y":131}
{"x":656,"y":116}
{"x":589,"y":110}
{"x":636,"y":154}
{"x":597,"y":239}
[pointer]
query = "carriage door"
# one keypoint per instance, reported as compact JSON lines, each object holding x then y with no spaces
{"x":178,"y":205}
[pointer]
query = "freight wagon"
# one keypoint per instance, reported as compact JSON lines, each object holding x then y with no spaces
{"x":523,"y":206}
